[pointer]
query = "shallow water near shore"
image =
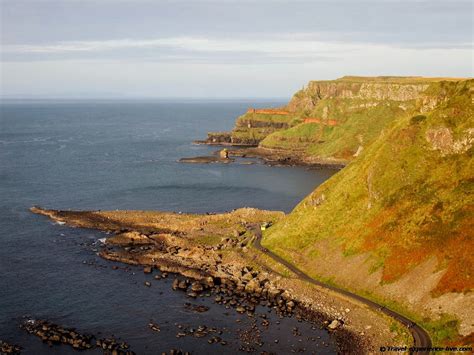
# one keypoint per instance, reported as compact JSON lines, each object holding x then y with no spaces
{"x":123,"y":155}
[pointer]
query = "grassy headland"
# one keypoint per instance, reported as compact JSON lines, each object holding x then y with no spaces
{"x":396,"y":224}
{"x":337,"y":119}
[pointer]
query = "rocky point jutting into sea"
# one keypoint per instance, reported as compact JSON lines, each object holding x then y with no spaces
{"x":330,"y":122}
{"x":214,"y":255}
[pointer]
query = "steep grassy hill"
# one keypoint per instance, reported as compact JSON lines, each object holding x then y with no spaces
{"x":397,"y":224}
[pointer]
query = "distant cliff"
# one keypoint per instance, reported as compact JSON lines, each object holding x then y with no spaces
{"x":336,"y":119}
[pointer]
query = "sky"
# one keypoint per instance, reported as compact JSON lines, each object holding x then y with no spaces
{"x":223,"y":48}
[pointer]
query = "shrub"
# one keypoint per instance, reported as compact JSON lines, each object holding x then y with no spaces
{"x":417,"y":119}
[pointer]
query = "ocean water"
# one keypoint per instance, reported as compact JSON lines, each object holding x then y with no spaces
{"x":122,"y":155}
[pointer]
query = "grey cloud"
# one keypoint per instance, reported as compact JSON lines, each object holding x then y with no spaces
{"x":50,"y":47}
{"x":360,"y":21}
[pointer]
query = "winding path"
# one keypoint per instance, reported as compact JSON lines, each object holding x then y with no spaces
{"x":420,"y":336}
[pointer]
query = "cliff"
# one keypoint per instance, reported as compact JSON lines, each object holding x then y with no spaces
{"x":341,"y":117}
{"x":396,"y":224}
{"x":336,"y":119}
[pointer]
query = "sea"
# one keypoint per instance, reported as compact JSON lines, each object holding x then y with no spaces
{"x":123,"y":154}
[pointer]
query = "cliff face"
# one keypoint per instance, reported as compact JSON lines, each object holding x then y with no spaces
{"x":337,"y":119}
{"x":397,"y":223}
{"x":369,"y":89}
{"x":349,"y":113}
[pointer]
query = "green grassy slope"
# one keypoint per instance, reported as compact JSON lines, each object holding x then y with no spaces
{"x":357,"y":126}
{"x":360,"y":107}
{"x":251,"y":128}
{"x":407,"y":198}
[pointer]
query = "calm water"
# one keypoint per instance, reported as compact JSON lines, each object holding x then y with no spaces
{"x":121,"y":155}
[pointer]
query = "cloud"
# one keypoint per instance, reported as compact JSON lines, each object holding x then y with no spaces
{"x":302,"y":47}
{"x":187,"y":49}
{"x":287,"y":44}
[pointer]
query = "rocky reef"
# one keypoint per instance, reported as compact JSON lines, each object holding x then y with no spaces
{"x":51,"y":334}
{"x":7,"y":348}
{"x":221,"y":156}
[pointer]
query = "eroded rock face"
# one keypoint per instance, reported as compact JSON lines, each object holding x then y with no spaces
{"x":365,"y":90}
{"x":442,"y":139}
{"x":218,"y":137}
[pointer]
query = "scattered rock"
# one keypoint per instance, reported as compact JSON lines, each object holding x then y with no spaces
{"x":177,"y":352}
{"x":196,"y":287}
{"x":6,"y":348}
{"x":153,"y":326}
{"x":334,"y":324}
{"x":54,"y":334}
{"x":196,"y":308}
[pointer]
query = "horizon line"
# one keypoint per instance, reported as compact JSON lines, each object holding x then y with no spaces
{"x":79,"y":98}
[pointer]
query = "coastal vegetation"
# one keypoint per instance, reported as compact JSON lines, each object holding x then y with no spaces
{"x":337,"y":119}
{"x":396,"y":224}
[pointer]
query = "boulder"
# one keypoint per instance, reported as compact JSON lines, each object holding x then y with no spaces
{"x":334,"y":325}
{"x":247,"y":277}
{"x":192,"y":294}
{"x":240,"y":309}
{"x":286,"y":296}
{"x":209,"y":281}
{"x":253,"y":286}
{"x":273,"y":293}
{"x":196,"y":287}
{"x":224,"y":154}
{"x":183,"y":285}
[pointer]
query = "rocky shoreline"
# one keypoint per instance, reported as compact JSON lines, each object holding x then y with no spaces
{"x":205,"y":160}
{"x":221,"y":156}
{"x":276,"y":157}
{"x":271,"y":157}
{"x":212,"y":256}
